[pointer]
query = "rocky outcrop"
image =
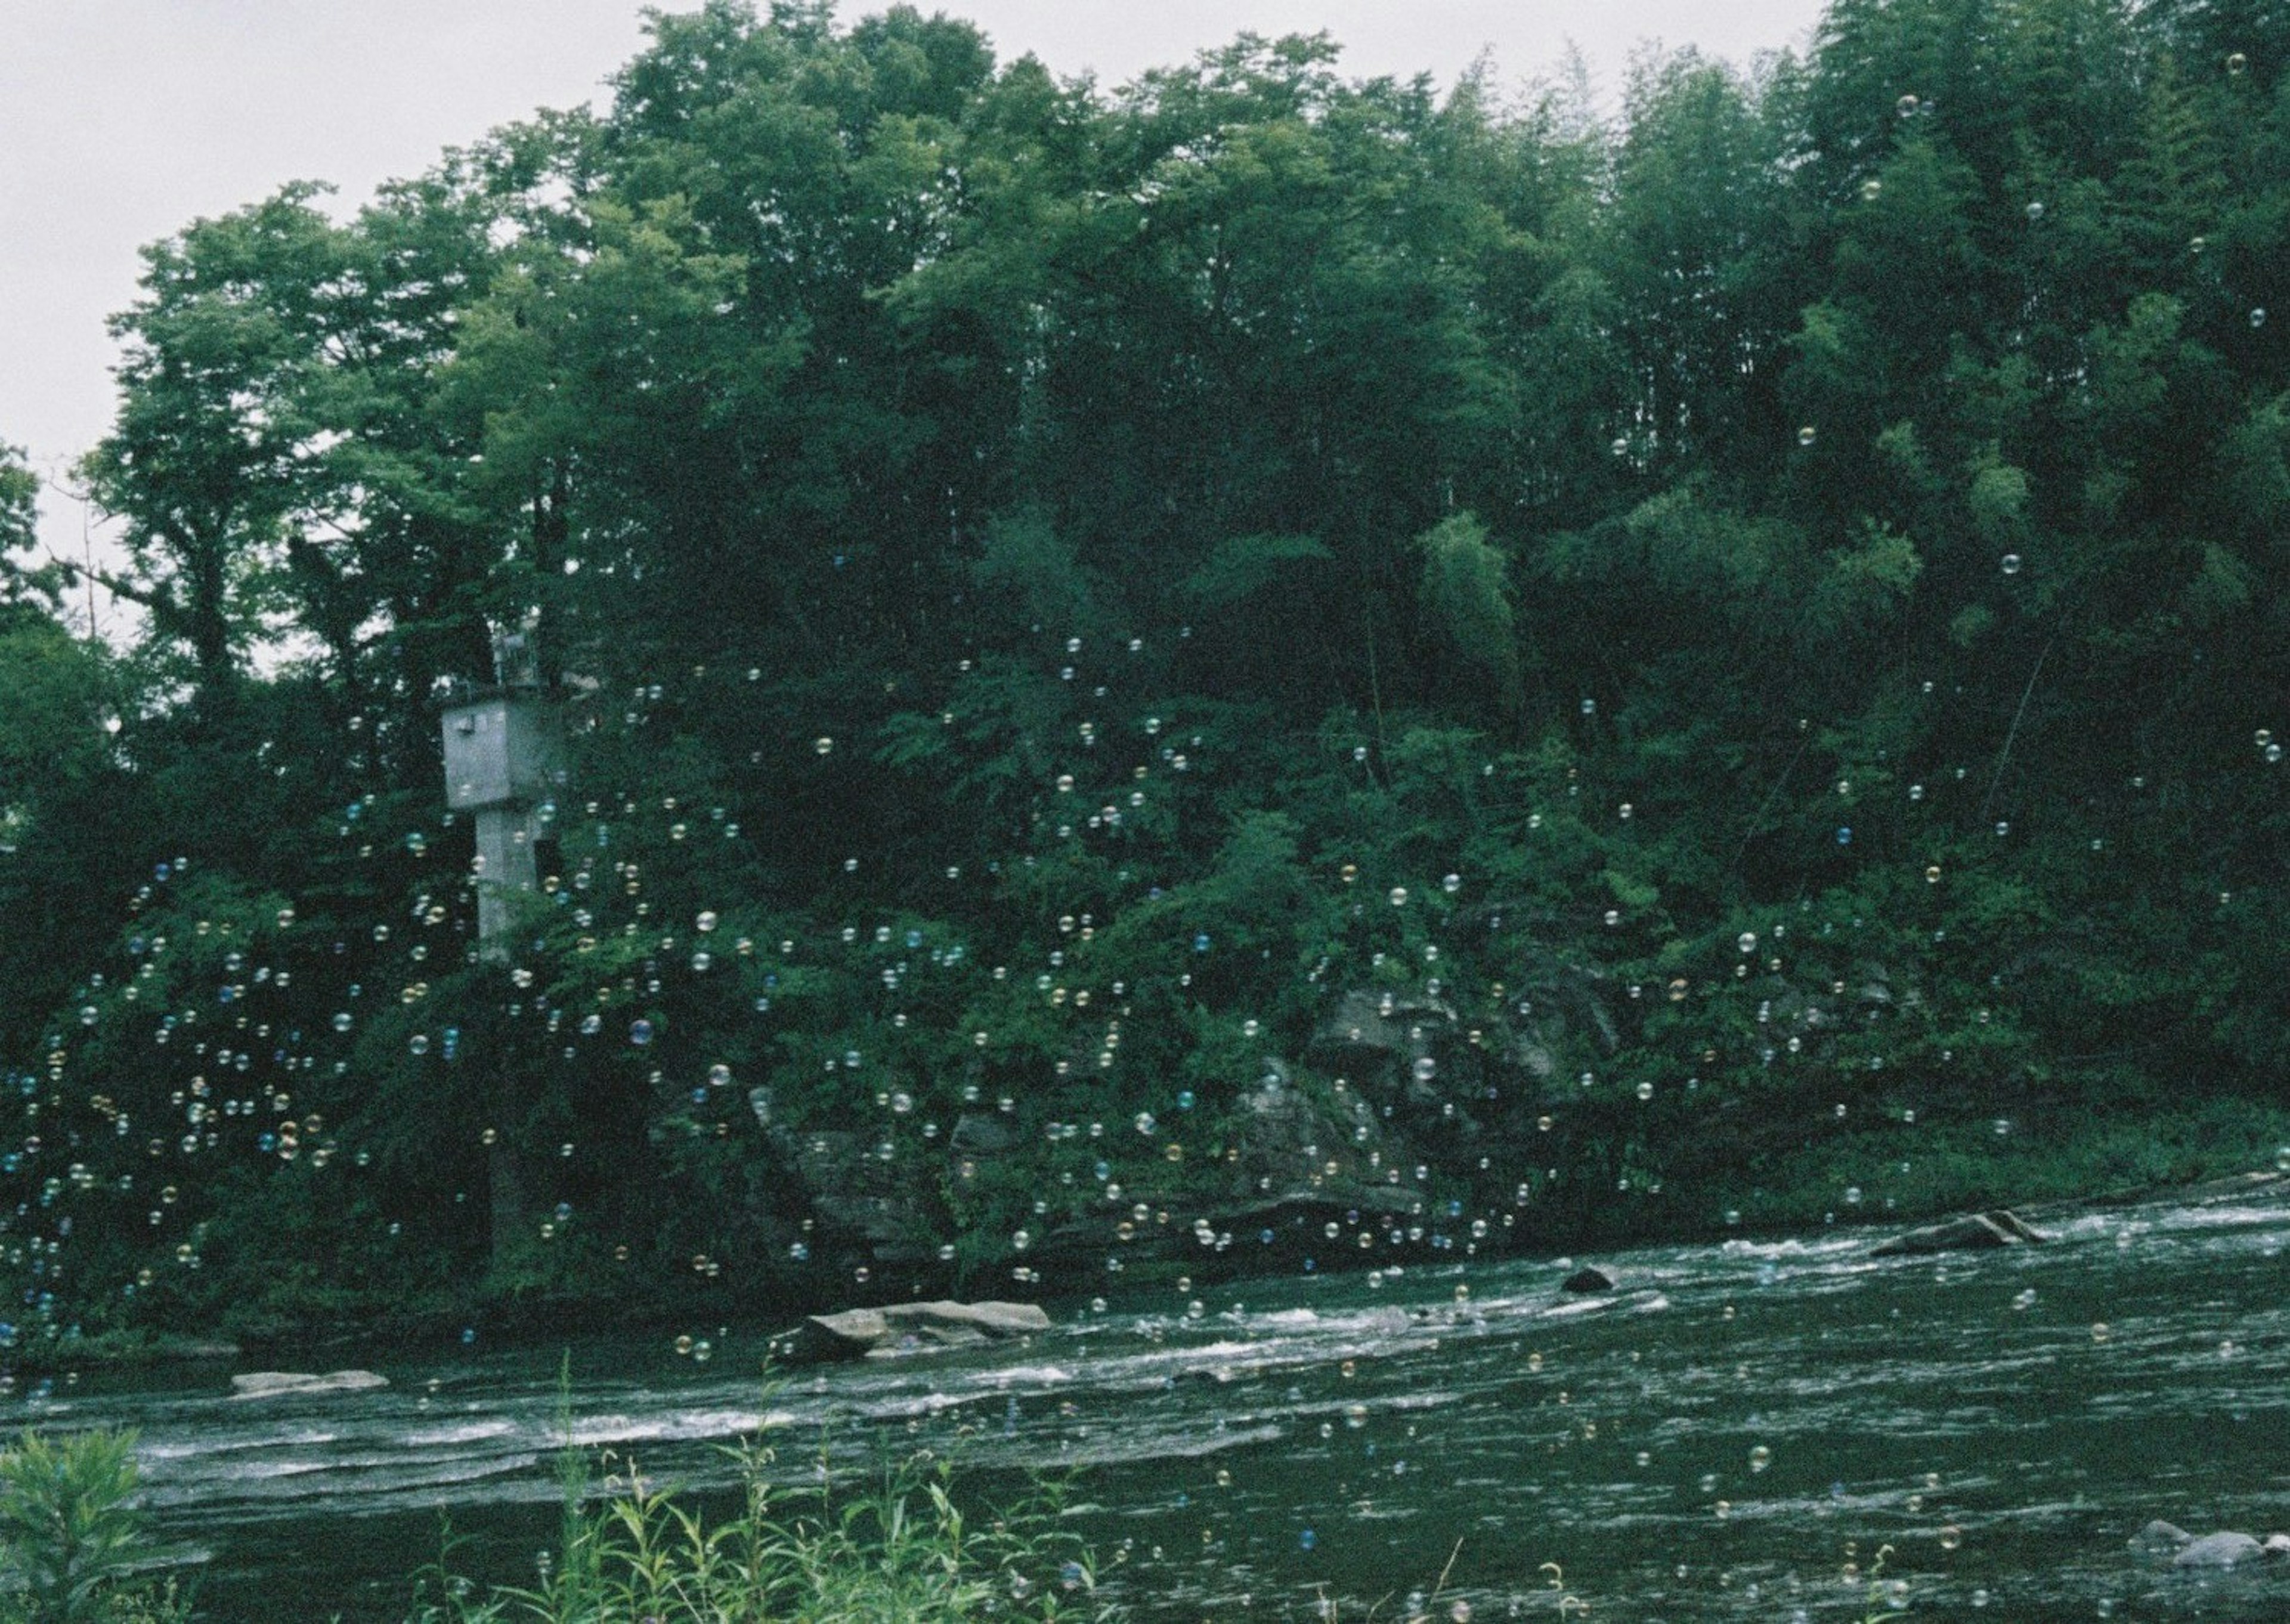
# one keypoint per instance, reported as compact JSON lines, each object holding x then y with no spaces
{"x":287,"y":1384}
{"x":2219,"y":1550}
{"x":1583,"y":1281}
{"x":2161,"y":1541}
{"x":907,"y":1327}
{"x":1974,"y":1232}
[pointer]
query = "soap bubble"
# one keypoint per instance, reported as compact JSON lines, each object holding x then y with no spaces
{"x":640,"y":1032}
{"x":2258,"y":316}
{"x":1907,"y":106}
{"x":1760,"y":1458}
{"x":1807,"y":435}
{"x":2035,"y":211}
{"x":823,"y":745}
{"x":1399,"y":896}
{"x":2011,"y":563}
{"x":1871,"y":189}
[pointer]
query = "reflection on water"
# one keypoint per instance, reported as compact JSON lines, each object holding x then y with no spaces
{"x":1733,"y":1435}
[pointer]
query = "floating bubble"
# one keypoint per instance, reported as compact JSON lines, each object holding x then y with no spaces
{"x":1760,"y":1458}
{"x":1426,"y":1069}
{"x":1747,"y":941}
{"x":2011,"y":563}
{"x":1621,"y":447}
{"x":1950,"y":1536}
{"x":2258,"y":316}
{"x":2035,"y":211}
{"x":823,"y":745}
{"x":1907,"y":106}
{"x":1872,"y":190}
{"x":1398,"y":896}
{"x":2237,"y":64}
{"x":1807,"y":435}
{"x":1452,"y":884}
{"x":640,"y":1032}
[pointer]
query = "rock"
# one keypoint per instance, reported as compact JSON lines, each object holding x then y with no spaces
{"x":281,"y":1384}
{"x":2219,"y":1550}
{"x":976,"y":1133}
{"x":2011,"y":1223}
{"x":1975,"y":1232}
{"x":2278,"y":1545}
{"x":999,"y":1321}
{"x":906,"y":1327}
{"x":2161,"y":1538}
{"x":1588,"y":1280}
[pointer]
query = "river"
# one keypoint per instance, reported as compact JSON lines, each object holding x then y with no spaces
{"x":1735,"y":1434}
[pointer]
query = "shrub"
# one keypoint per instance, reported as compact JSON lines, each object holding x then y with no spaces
{"x":70,"y":1538}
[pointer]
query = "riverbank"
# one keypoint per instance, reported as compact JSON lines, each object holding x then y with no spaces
{"x":1841,"y":1184}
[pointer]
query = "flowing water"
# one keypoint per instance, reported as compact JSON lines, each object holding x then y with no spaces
{"x":1736,"y":1433}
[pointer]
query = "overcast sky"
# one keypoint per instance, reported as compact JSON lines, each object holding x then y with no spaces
{"x":121,"y":120}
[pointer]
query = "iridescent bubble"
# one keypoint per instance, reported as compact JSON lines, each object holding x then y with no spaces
{"x":2010,"y":565}
{"x":640,"y":1032}
{"x":1871,"y":189}
{"x":1452,"y":884}
{"x":2258,"y":316}
{"x":2237,"y":64}
{"x":1907,"y":106}
{"x":1747,"y":941}
{"x":1760,"y":1458}
{"x":823,"y":745}
{"x":2035,"y":211}
{"x":1807,"y":435}
{"x":1399,"y":896}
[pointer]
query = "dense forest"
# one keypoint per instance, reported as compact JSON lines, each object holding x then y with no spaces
{"x":1251,"y":669}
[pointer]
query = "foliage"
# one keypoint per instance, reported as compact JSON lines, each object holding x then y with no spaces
{"x":70,"y":1539}
{"x":903,"y":1551}
{"x":1738,"y":647}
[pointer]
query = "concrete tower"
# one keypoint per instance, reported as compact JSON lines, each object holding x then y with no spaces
{"x":505,"y":764}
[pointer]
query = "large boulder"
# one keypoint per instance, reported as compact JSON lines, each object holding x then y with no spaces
{"x":906,"y":1327}
{"x":282,"y":1384}
{"x":1583,"y":1281}
{"x":1974,"y":1232}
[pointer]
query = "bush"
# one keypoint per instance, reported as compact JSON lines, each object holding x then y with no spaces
{"x":70,"y":1539}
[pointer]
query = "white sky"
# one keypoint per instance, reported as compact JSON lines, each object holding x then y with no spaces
{"x":123,"y":120}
